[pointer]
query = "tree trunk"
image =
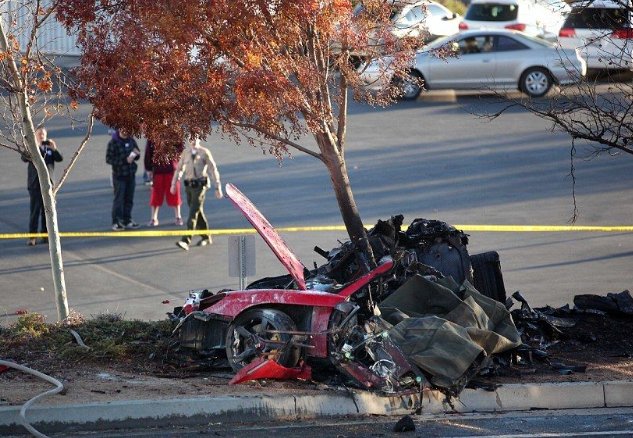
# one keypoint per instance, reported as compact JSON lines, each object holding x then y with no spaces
{"x":55,"y":248}
{"x":335,"y":163}
{"x":50,"y":208}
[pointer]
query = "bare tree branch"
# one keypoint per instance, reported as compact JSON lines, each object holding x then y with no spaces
{"x":572,"y":174}
{"x":75,"y":156}
{"x":278,"y":138}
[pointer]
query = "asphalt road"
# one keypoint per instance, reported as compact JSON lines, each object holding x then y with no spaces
{"x":433,"y":158}
{"x":558,"y":424}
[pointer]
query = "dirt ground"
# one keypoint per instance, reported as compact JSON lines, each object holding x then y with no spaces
{"x":603,"y":344}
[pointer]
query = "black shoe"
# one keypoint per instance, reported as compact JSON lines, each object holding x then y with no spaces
{"x":182,"y":245}
{"x":117,"y":227}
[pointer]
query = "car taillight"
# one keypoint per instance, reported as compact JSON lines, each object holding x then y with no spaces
{"x":517,"y":26}
{"x":463,"y":26}
{"x":624,"y":34}
{"x":566,"y":32}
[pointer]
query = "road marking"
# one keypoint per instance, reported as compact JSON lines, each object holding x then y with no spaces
{"x":234,"y":231}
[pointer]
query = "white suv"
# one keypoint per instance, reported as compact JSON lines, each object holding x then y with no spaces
{"x":602,"y":31}
{"x":539,"y":18}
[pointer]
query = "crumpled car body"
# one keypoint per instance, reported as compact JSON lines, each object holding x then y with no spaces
{"x":279,"y":326}
{"x":287,"y":325}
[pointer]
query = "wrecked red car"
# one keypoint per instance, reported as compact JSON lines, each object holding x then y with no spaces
{"x":282,"y":327}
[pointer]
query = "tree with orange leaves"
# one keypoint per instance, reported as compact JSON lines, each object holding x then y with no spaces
{"x":33,"y":92}
{"x":270,"y":71}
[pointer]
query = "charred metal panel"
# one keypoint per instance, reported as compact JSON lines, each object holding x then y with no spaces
{"x":353,"y":287}
{"x":203,"y":332}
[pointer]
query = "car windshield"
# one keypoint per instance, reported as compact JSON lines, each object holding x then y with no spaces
{"x":597,"y":18}
{"x":492,"y":12}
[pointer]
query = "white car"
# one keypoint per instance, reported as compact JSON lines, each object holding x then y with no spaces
{"x":425,"y":16}
{"x":602,"y":31}
{"x":486,"y":60}
{"x":421,"y":18}
{"x":540,"y":18}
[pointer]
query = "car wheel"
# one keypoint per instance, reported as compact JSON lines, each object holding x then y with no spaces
{"x":259,"y":333}
{"x":536,"y":82}
{"x":410,"y":86}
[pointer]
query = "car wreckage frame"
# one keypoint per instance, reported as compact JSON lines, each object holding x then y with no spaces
{"x":279,"y":327}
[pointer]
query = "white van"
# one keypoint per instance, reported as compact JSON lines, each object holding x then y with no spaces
{"x":539,"y":18}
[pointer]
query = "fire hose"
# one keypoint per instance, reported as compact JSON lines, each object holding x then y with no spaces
{"x":58,"y":388}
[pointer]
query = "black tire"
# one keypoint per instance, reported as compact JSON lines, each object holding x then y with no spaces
{"x":258,"y":321}
{"x":535,"y":82}
{"x":410,"y":86}
{"x":487,"y":277}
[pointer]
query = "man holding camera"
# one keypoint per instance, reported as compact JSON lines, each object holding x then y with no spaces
{"x":51,"y":155}
{"x":195,"y":167}
{"x":122,"y":154}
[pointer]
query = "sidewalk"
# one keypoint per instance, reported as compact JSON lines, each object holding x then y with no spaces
{"x":289,"y":404}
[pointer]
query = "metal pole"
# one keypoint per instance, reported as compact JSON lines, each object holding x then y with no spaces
{"x":241,"y":250}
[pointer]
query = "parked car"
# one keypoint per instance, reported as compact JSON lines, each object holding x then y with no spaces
{"x":602,"y":31}
{"x":541,"y":18}
{"x":416,"y":18}
{"x":486,"y":59}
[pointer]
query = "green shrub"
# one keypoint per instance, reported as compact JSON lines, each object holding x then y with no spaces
{"x":30,"y":325}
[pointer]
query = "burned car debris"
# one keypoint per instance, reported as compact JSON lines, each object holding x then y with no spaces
{"x":415,"y":320}
{"x":547,"y":333}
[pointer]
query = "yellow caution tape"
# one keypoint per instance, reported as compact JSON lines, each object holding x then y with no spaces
{"x":136,"y":233}
{"x":545,"y":228}
{"x":234,"y":231}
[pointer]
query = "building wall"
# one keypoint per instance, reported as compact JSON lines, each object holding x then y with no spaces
{"x":52,"y":38}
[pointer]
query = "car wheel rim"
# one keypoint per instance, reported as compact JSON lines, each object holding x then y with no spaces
{"x":536,"y":82}
{"x":245,"y":348}
{"x":409,"y":88}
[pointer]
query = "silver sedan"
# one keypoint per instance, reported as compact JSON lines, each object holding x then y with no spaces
{"x":484,"y":60}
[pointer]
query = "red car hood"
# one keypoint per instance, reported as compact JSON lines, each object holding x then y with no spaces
{"x":269,"y":234}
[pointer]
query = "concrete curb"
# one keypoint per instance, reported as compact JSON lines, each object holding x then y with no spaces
{"x":513,"y":397}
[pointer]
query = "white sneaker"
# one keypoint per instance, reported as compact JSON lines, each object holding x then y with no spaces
{"x":182,"y":245}
{"x":132,"y":225}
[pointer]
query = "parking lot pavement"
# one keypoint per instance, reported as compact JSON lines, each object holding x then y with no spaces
{"x":419,"y":159}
